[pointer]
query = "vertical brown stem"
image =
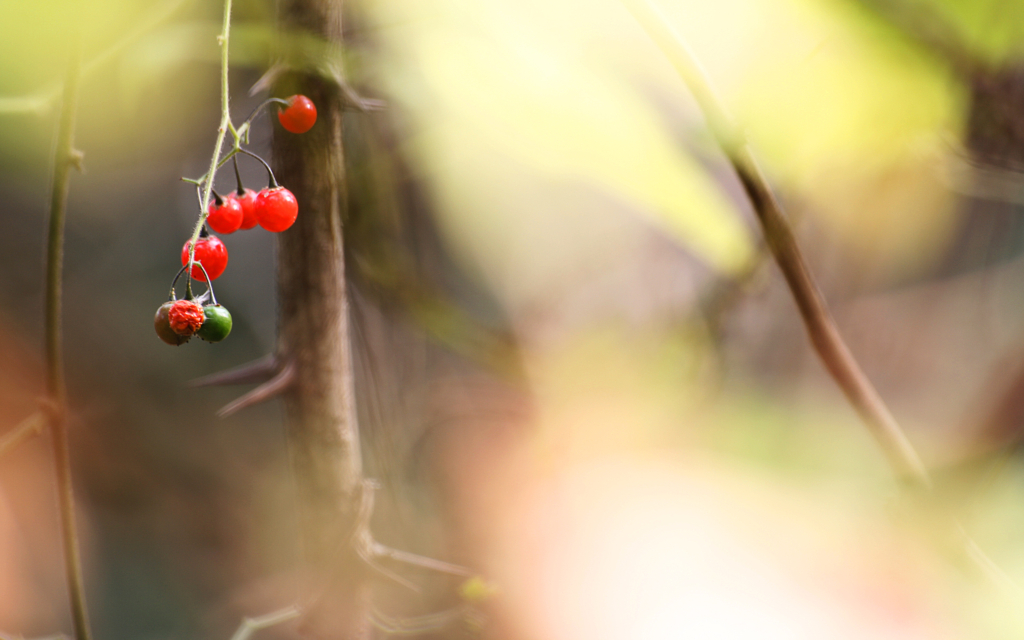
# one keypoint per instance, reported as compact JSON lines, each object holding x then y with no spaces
{"x":323,"y":436}
{"x":63,"y":160}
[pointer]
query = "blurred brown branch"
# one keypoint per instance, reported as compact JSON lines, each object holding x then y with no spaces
{"x":821,"y":328}
{"x":314,"y":335}
{"x":65,"y":157}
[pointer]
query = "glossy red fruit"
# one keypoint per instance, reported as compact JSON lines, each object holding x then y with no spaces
{"x":212,"y":253}
{"x":225,"y":217}
{"x":185,"y":317}
{"x":276,"y":209}
{"x":248,"y":202}
{"x":299,"y":116}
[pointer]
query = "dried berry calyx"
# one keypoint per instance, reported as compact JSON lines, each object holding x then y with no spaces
{"x":217,"y":323}
{"x":185,"y":317}
{"x":162,"y":324}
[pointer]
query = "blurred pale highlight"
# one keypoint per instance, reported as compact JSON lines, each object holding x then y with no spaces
{"x":654,"y":547}
{"x":573,"y":97}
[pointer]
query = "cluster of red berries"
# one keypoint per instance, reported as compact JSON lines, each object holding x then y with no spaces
{"x":273,"y":208}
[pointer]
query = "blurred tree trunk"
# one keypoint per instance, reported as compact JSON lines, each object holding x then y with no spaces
{"x":323,"y":436}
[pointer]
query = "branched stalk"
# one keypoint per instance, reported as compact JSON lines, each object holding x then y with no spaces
{"x":225,"y":123}
{"x":824,"y":334}
{"x":64,"y":158}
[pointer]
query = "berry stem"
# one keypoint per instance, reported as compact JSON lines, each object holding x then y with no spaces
{"x":270,"y":172}
{"x":225,"y":123}
{"x":238,"y":177}
{"x":248,"y":121}
{"x":209,"y":283}
{"x":223,"y":161}
{"x":171,"y":296}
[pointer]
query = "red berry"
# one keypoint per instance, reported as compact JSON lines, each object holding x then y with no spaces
{"x":225,"y":217}
{"x":212,"y":253}
{"x":276,"y":209}
{"x":185,"y":317}
{"x":299,"y":116}
{"x":248,"y":202}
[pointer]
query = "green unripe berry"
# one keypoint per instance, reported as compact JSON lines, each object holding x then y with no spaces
{"x":217,"y":324}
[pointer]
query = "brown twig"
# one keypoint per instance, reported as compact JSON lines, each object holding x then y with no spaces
{"x":821,"y":328}
{"x":381,"y":551}
{"x":819,"y":324}
{"x":30,"y":426}
{"x":64,"y":158}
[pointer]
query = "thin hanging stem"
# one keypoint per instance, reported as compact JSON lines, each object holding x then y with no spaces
{"x":248,"y":121}
{"x":225,"y":123}
{"x":270,"y":172}
{"x":64,"y":158}
{"x":172,"y":295}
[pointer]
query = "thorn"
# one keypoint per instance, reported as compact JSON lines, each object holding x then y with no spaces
{"x":273,"y":387}
{"x":30,"y":426}
{"x":366,"y":555}
{"x":353,"y":100}
{"x":415,"y":625}
{"x":362,"y":540}
{"x":268,"y":79}
{"x":75,"y":158}
{"x":382,"y":551}
{"x":259,"y":370}
{"x":252,"y":625}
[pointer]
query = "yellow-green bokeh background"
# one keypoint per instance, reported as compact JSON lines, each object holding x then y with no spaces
{"x":664,"y":478}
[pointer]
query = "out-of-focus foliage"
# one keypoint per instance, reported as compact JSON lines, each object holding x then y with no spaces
{"x":547,"y":131}
{"x":678,"y":464}
{"x":503,"y":97}
{"x":991,"y":29}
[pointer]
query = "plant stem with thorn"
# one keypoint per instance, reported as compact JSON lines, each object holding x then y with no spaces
{"x":64,"y":158}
